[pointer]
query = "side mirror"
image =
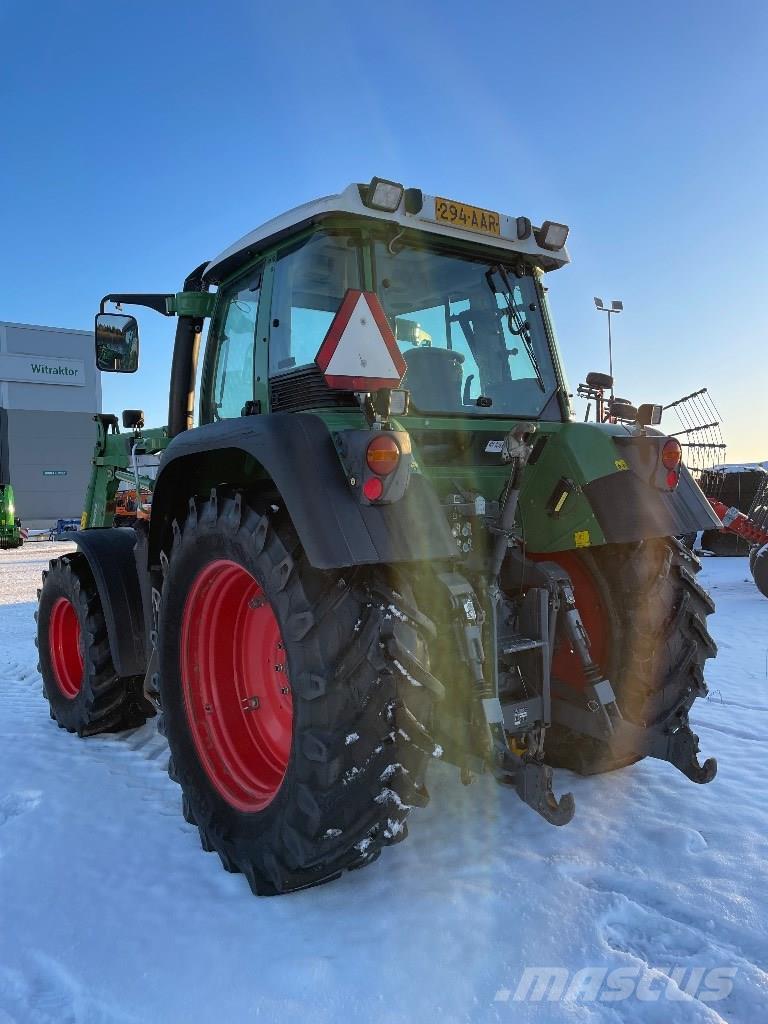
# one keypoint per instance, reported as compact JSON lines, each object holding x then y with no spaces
{"x":117,"y":343}
{"x":649,"y":415}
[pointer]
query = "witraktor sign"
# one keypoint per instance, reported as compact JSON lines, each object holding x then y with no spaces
{"x":37,"y":369}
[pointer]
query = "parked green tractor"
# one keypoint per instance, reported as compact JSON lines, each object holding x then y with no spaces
{"x":386,"y":542}
{"x":118,"y":463}
{"x":10,"y":524}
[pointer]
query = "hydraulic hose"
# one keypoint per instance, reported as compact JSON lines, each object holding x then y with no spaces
{"x":517,"y":448}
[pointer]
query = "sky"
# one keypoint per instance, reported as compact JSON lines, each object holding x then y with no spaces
{"x":138,"y":140}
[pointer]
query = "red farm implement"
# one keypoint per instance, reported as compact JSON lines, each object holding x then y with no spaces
{"x":738,"y":494}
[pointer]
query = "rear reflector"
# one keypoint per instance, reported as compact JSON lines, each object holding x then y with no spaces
{"x":671,"y":454}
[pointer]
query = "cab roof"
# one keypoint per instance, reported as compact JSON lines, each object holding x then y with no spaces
{"x":352,"y":201}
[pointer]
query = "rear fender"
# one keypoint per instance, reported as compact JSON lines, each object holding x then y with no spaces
{"x":294,"y":453}
{"x":604,"y":483}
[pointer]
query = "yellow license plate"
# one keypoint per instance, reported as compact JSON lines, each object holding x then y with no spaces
{"x":471,"y":218}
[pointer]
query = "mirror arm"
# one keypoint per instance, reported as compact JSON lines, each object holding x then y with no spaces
{"x":161,"y":303}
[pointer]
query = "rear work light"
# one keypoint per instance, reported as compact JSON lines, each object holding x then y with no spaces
{"x":382,"y":455}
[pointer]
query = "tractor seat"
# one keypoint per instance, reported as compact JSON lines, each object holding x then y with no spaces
{"x":434,"y":376}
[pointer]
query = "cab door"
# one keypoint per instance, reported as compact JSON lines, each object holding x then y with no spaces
{"x":233,"y":380}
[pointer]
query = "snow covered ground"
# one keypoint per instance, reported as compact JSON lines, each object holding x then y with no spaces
{"x":111,"y":913}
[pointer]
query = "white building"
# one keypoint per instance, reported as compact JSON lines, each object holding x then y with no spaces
{"x":50,"y":390}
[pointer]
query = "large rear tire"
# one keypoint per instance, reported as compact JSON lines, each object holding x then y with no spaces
{"x":724,"y":544}
{"x":299,"y":741}
{"x":646,"y":618}
{"x":752,"y":556}
{"x":760,"y":569}
{"x":85,"y":694}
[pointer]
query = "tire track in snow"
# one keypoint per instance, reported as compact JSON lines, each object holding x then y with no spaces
{"x":123,"y":754}
{"x":15,"y":804}
{"x":739,"y":734}
{"x":639,"y":923}
{"x":14,"y":672}
{"x":138,"y":758}
{"x":46,"y":993}
{"x":744,"y":707}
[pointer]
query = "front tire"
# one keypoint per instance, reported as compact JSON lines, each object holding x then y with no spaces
{"x":298,"y":743}
{"x":85,"y":694}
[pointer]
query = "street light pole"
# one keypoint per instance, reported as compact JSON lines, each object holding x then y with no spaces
{"x":610,"y":349}
{"x":617,"y":306}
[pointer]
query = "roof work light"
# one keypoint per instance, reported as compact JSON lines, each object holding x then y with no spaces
{"x":383,"y":195}
{"x":551,"y":235}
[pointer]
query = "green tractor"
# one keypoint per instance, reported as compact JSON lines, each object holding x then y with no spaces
{"x":10,"y":524}
{"x":117,"y":464}
{"x":387,"y":541}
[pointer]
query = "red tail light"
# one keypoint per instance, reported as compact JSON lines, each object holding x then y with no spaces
{"x":373,"y":488}
{"x":672,"y":455}
{"x":382,"y":455}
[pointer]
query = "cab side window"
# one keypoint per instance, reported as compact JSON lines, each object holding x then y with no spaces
{"x":234,"y":371}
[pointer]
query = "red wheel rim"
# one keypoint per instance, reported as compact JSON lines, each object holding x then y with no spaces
{"x":65,"y":646}
{"x":566,"y":664}
{"x":236,"y":689}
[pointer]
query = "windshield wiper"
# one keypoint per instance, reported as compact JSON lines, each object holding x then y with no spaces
{"x":515,"y":320}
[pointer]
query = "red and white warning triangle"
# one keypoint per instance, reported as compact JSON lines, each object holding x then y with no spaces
{"x":359,"y":352}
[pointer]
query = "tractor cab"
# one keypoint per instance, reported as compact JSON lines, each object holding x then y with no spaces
{"x":472,"y":332}
{"x":460,"y":289}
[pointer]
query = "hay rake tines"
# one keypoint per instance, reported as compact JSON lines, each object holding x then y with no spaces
{"x":701,"y":438}
{"x":758,"y":510}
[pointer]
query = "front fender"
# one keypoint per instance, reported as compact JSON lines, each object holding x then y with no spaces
{"x":295,"y":451}
{"x":110,"y":556}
